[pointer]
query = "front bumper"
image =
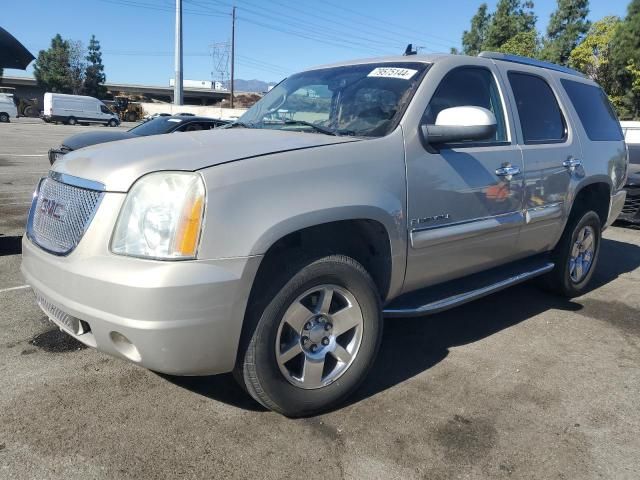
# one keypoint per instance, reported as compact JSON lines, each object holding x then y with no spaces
{"x":616,"y":206}
{"x":180,"y":318}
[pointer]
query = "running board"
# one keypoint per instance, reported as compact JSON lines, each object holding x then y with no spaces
{"x":433,"y":300}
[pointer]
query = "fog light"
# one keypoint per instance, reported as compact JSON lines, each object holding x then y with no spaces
{"x":125,"y":346}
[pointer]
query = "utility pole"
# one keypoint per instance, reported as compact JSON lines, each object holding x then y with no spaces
{"x":233,"y":50}
{"x":177,"y":90}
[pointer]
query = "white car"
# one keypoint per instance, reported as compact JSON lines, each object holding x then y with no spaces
{"x":8,"y":109}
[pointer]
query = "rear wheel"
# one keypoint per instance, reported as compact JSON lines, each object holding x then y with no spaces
{"x":132,"y":116}
{"x":4,"y":117}
{"x":315,"y":338}
{"x":72,"y":121}
{"x":576,"y":255}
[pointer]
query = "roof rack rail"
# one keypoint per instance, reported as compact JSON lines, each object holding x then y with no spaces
{"x":507,"y":57}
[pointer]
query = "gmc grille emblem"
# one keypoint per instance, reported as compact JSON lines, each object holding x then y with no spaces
{"x":52,"y":208}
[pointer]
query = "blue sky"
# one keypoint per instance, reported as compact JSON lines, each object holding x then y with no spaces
{"x":274,"y":37}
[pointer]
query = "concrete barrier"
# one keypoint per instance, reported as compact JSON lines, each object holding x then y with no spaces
{"x":214,"y":112}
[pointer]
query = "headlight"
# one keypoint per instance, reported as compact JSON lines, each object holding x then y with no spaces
{"x":161,"y":217}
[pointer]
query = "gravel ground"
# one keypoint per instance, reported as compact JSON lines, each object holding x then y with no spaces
{"x":521,"y":384}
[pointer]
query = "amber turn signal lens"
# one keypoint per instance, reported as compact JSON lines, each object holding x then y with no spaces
{"x":189,"y":229}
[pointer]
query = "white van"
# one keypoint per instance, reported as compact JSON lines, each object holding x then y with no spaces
{"x":7,"y":108}
{"x":72,"y":109}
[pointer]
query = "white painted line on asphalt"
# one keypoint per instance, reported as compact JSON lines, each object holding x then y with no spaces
{"x":21,"y":287}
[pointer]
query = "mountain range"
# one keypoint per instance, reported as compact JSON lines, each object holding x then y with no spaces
{"x":252,"y":85}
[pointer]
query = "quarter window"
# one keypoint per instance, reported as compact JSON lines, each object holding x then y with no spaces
{"x":468,"y":87}
{"x":540,"y":116}
{"x":595,"y":111}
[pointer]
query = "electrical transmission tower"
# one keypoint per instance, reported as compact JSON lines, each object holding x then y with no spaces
{"x":220,"y":53}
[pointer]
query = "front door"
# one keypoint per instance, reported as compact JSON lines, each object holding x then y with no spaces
{"x":464,"y":212}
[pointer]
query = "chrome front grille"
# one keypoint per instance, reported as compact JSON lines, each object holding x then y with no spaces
{"x":61,"y":212}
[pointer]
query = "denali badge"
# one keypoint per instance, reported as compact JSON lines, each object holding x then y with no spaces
{"x":52,"y":208}
{"x":421,"y":221}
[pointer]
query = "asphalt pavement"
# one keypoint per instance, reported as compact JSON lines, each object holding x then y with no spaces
{"x":521,"y":384}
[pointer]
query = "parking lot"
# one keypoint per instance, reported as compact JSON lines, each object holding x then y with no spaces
{"x":521,"y":384}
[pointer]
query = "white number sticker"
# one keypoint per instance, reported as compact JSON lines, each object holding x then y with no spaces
{"x":392,"y":72}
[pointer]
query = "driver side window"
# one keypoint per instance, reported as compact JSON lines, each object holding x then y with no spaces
{"x":469,"y":86}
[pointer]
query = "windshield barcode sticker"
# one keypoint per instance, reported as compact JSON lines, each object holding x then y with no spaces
{"x":392,"y":72}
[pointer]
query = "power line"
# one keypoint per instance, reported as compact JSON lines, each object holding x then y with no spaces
{"x":399,"y":40}
{"x":387,"y":22}
{"x":323,"y":29}
{"x":318,"y":36}
{"x":148,"y":6}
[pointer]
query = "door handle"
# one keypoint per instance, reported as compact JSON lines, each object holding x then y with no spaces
{"x":572,"y":163}
{"x":508,"y":171}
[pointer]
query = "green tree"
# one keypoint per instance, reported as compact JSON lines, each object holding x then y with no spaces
{"x":593,"y":55}
{"x":51,"y":68}
{"x":60,"y":68}
{"x":94,"y":74}
{"x":510,"y":18}
{"x":567,"y":26}
{"x":625,"y":57}
{"x":525,"y":44}
{"x":473,"y":39}
{"x":77,"y":66}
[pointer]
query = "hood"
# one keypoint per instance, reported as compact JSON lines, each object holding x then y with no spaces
{"x":117,"y":165}
{"x":86,"y":139}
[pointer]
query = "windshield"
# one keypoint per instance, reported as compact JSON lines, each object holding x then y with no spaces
{"x":362,"y":100}
{"x":156,"y":126}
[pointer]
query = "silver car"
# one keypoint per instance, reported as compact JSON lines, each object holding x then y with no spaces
{"x":275,"y":247}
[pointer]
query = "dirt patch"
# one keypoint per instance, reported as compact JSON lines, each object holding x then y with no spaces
{"x":7,"y":163}
{"x":56,"y":341}
{"x":465,"y":438}
{"x":618,"y":314}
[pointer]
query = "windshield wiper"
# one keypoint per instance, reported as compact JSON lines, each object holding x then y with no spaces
{"x":318,"y":128}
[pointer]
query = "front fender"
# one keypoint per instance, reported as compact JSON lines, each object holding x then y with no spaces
{"x":253,"y":203}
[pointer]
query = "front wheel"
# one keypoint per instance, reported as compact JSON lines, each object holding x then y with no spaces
{"x":72,"y":121}
{"x":4,"y":117}
{"x":316,"y":338}
{"x":112,"y":123}
{"x":576,"y":255}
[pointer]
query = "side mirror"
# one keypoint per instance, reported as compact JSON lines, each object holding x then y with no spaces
{"x":458,"y":124}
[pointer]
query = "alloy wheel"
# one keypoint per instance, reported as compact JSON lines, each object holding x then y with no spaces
{"x":582,"y":253}
{"x":319,"y":336}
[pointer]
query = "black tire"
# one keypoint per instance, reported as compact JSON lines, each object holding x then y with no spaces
{"x":132,"y":116}
{"x":559,"y":279}
{"x":257,"y":368}
{"x":4,"y":117}
{"x":71,"y":121}
{"x":112,"y":123}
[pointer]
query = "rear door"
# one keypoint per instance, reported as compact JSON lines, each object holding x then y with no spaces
{"x":549,"y":142}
